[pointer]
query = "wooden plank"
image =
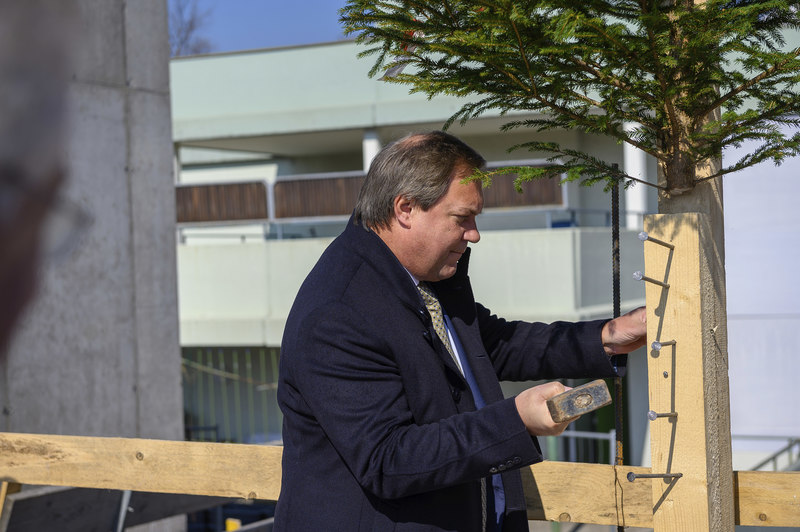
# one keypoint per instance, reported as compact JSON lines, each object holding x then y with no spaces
{"x":587,"y":493}
{"x":194,"y":468}
{"x":688,"y":378}
{"x":765,"y":498}
{"x":579,"y":493}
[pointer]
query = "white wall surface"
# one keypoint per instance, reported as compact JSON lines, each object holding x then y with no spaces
{"x":762,"y":241}
{"x":241,"y":293}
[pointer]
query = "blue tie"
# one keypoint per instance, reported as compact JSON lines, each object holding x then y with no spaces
{"x":499,"y":498}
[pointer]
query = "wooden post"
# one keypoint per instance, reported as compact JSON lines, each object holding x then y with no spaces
{"x":688,"y":380}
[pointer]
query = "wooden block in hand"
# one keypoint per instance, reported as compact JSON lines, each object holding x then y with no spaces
{"x":578,"y":401}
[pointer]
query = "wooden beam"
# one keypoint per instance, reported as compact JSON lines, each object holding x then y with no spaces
{"x":766,"y":498}
{"x":688,"y":378}
{"x":587,"y":493}
{"x":193,"y":468}
{"x":578,"y":493}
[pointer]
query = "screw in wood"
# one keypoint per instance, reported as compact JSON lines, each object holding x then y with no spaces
{"x":644,"y":237}
{"x":658,"y":345}
{"x":639,"y":276}
{"x":633,"y":476}
{"x":652,"y":415}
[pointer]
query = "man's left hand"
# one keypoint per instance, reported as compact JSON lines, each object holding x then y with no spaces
{"x":626,"y":333}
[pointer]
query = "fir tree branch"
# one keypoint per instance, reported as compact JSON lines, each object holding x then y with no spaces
{"x":753,"y":81}
{"x":524,"y":57}
{"x":593,"y":165}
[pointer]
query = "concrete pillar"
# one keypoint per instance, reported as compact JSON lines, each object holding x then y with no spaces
{"x":370,"y":146}
{"x":97,"y":353}
{"x":635,"y":165}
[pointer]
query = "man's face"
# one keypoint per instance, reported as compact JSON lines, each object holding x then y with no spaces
{"x":441,"y":234}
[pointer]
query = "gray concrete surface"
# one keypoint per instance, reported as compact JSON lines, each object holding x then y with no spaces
{"x":97,"y":353}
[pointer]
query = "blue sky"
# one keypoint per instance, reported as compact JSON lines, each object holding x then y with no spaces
{"x":246,"y":24}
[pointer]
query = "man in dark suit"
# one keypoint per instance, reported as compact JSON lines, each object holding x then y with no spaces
{"x":393,"y":414}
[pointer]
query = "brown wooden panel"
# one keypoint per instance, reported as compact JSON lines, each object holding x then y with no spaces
{"x":213,"y":203}
{"x":327,"y":197}
{"x":501,"y":193}
{"x":316,"y":197}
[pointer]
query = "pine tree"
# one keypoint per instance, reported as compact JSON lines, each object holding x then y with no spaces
{"x":691,"y":78}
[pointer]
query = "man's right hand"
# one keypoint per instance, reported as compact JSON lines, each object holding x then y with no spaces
{"x":532,"y":408}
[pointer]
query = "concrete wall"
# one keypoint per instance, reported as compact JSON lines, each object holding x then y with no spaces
{"x":98,"y":352}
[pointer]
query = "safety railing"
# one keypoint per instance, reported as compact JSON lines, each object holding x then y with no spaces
{"x":783,"y":459}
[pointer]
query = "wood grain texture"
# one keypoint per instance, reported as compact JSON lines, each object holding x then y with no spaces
{"x":587,"y":493}
{"x":193,"y":468}
{"x":765,"y":498}
{"x":688,"y":378}
{"x":555,"y":491}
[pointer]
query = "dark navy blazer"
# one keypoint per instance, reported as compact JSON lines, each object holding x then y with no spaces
{"x":380,"y":428}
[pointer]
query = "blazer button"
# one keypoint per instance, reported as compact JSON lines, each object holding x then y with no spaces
{"x":493,"y":470}
{"x":456,"y":394}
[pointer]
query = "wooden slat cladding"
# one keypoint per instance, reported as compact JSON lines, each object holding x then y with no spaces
{"x":316,"y":197}
{"x":214,"y":203}
{"x":501,"y":193}
{"x":329,"y":196}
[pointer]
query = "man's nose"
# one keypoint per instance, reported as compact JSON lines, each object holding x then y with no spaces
{"x":472,"y":234}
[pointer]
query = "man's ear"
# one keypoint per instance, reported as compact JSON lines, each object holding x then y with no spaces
{"x":403,"y":207}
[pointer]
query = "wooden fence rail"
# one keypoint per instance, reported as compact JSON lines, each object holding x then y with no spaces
{"x":555,"y":491}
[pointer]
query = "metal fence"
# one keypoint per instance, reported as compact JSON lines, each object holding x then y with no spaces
{"x":229,"y":394}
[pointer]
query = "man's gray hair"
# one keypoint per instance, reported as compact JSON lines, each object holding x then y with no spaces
{"x":418,"y":167}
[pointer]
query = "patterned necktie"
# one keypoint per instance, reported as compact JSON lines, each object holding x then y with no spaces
{"x":437,"y":317}
{"x":435,"y":309}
